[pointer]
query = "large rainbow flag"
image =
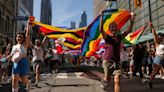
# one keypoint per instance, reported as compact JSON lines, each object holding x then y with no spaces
{"x":88,"y":38}
{"x":73,"y":38}
{"x":93,"y":35}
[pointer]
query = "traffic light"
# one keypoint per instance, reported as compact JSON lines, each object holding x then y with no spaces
{"x":138,"y":3}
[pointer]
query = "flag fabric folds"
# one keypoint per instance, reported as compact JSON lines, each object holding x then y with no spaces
{"x":119,"y":16}
{"x":93,"y":35}
{"x":87,"y":39}
{"x":73,"y":38}
{"x":133,"y":37}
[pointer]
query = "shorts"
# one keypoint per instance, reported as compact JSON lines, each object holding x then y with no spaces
{"x":144,"y":62}
{"x":111,"y":68}
{"x":37,"y":63}
{"x":159,"y":60}
{"x":125,"y":64}
{"x":4,"y":65}
{"x":131,"y":62}
{"x":21,"y":67}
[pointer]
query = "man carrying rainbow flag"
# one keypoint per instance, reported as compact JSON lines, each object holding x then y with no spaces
{"x":111,"y":55}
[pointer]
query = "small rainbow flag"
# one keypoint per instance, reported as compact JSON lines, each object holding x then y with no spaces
{"x":133,"y":37}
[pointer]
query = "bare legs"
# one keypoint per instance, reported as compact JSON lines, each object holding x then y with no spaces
{"x":37,"y":72}
{"x":15,"y":81}
{"x":117,"y":83}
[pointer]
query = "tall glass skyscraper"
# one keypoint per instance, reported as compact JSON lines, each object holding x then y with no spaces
{"x":46,"y":12}
{"x":83,"y":21}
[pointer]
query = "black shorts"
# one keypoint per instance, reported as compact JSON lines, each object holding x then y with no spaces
{"x":37,"y":63}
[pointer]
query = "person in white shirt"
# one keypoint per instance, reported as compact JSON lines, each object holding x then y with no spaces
{"x":37,"y":59}
{"x":159,"y":55}
{"x":19,"y":58}
{"x":124,"y":60}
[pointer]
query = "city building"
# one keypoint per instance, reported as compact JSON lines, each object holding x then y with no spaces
{"x":151,"y":10}
{"x":6,"y":24}
{"x":100,"y":5}
{"x":83,"y":21}
{"x":46,"y":17}
{"x":46,"y":12}
{"x":9,"y":9}
{"x":73,"y":25}
{"x":22,"y":11}
{"x":29,"y":5}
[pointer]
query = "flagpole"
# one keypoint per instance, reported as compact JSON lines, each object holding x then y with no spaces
{"x":15,"y":22}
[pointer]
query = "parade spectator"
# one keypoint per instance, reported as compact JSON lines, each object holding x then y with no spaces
{"x":138,"y":60}
{"x":150,"y":58}
{"x":111,"y":58}
{"x":159,"y":55}
{"x":53,"y":61}
{"x":4,"y":67}
{"x":124,"y":60}
{"x":1,"y":55}
{"x":131,"y":62}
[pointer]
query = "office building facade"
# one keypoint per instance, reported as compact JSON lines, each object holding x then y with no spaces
{"x":28,"y":4}
{"x":6,"y":24}
{"x":151,"y":10}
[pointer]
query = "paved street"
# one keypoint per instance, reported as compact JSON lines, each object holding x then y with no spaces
{"x":89,"y":81}
{"x":70,"y":80}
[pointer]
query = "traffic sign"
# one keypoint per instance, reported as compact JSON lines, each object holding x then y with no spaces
{"x":21,"y":18}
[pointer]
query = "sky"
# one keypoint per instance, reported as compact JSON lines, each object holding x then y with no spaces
{"x":65,"y":11}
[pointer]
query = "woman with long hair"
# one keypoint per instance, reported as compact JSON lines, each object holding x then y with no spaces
{"x":19,"y":58}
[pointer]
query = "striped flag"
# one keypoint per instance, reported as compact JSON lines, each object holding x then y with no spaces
{"x":73,"y":38}
{"x":133,"y":37}
{"x":93,"y":35}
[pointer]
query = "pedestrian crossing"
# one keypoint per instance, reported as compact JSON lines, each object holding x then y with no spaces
{"x":69,"y":75}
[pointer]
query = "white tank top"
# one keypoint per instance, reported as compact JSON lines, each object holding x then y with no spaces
{"x":160,"y":50}
{"x":37,"y":53}
{"x":19,"y":48}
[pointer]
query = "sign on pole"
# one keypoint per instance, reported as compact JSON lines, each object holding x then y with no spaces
{"x":20,"y":18}
{"x":138,"y":3}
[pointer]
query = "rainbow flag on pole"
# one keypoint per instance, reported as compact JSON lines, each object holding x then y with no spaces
{"x":133,"y":37}
{"x":93,"y":35}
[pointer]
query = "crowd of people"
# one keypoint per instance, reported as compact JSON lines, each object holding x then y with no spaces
{"x":147,"y":59}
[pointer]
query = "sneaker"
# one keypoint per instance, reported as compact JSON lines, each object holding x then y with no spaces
{"x":104,"y":84}
{"x":49,"y":74}
{"x":36,"y":84}
{"x":28,"y":86}
{"x":158,"y":76}
{"x":150,"y":84}
{"x":144,"y":80}
{"x":162,"y":77}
